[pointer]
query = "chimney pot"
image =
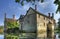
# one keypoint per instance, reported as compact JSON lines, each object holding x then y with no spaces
{"x":35,"y":7}
{"x":49,"y":14}
{"x":52,"y":15}
{"x":13,"y":16}
{"x":5,"y":15}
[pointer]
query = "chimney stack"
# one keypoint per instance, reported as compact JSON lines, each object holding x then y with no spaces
{"x":5,"y":15}
{"x":49,"y":14}
{"x":52,"y":15}
{"x":35,"y":7}
{"x":13,"y":16}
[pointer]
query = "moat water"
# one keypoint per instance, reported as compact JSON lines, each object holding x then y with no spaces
{"x":56,"y":37}
{"x":1,"y":36}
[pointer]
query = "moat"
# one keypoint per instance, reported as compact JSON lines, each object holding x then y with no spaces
{"x":29,"y":35}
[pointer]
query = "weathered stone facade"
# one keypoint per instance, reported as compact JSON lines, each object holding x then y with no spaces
{"x":37,"y":22}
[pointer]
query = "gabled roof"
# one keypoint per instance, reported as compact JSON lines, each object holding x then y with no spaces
{"x":39,"y":13}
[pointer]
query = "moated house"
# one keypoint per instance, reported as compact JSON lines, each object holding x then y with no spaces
{"x":36,"y":22}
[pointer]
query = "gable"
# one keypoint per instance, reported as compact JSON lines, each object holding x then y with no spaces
{"x":30,"y":11}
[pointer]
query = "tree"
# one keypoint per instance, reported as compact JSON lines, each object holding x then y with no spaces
{"x":32,"y":1}
{"x":57,"y":2}
{"x":1,"y":29}
{"x":12,"y":24}
{"x":58,"y":26}
{"x":59,"y":23}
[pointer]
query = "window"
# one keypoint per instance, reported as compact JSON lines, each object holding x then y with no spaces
{"x":27,"y":21}
{"x":44,"y":18}
{"x":44,"y":24}
{"x":28,"y":16}
{"x":39,"y":15}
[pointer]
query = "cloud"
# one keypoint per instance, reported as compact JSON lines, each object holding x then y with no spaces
{"x":43,"y":4}
{"x":57,"y":16}
{"x":47,"y":6}
{"x":26,"y":6}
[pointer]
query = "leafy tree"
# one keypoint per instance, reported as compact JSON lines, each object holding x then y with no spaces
{"x":59,"y":23}
{"x":32,"y":1}
{"x":58,"y":28}
{"x":12,"y":24}
{"x":1,"y":29}
{"x":12,"y":27}
{"x":57,"y":2}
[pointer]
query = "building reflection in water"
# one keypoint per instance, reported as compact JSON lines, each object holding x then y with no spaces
{"x":44,"y":36}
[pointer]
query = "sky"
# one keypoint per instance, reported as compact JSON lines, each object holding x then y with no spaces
{"x":10,"y":7}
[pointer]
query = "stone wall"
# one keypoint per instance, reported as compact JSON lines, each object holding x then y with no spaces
{"x":42,"y":25}
{"x":29,"y":23}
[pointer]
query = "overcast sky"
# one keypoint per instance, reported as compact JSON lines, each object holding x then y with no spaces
{"x":10,"y":7}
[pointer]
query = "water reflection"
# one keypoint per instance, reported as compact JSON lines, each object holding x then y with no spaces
{"x":54,"y":36}
{"x":57,"y":36}
{"x":42,"y":36}
{"x":1,"y":36}
{"x":39,"y":36}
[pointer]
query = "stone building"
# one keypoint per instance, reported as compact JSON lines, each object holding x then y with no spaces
{"x":38,"y":23}
{"x":7,"y":20}
{"x":9,"y":27}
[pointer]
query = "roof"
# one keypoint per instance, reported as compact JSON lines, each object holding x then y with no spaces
{"x":10,"y":20}
{"x":40,"y":13}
